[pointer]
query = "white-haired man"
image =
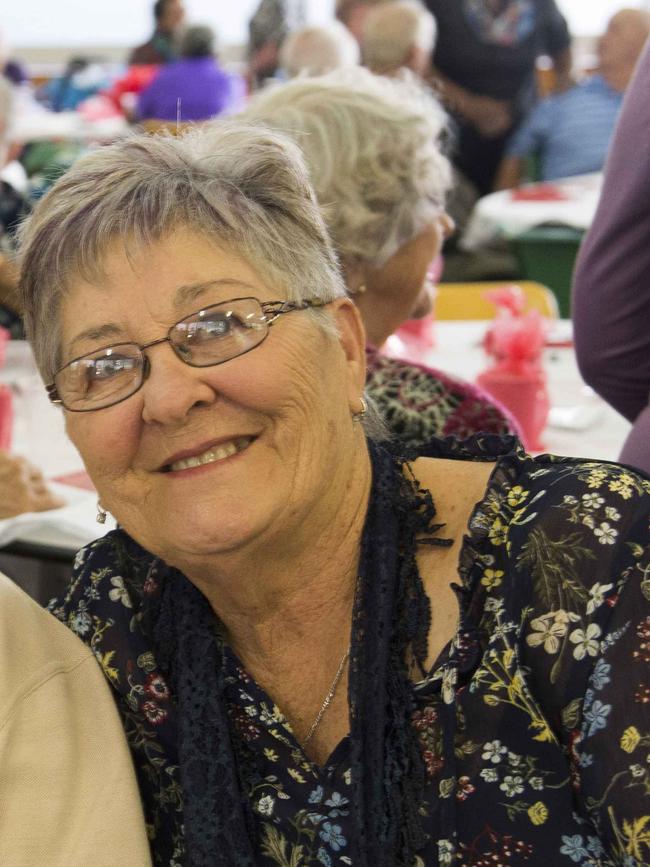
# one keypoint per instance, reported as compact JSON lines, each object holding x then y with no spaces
{"x":317,"y":50}
{"x":569,"y":133}
{"x":398,"y":35}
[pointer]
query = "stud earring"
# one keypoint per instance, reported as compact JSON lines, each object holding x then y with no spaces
{"x":101,"y":514}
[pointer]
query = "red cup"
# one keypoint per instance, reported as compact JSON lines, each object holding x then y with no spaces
{"x":525,"y":395}
{"x":6,"y":417}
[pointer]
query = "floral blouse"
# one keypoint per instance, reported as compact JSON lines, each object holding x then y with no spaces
{"x":418,"y":403}
{"x":534,"y":723}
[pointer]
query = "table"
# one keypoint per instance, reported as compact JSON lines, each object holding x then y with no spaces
{"x":581,"y":425}
{"x":510,"y":213}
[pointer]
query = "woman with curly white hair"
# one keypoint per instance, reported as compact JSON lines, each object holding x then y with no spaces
{"x":374,"y":149}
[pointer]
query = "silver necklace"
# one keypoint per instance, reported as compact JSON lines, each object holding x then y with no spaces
{"x":328,"y":699}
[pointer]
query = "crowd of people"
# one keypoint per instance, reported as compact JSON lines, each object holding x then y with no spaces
{"x":344,"y":618}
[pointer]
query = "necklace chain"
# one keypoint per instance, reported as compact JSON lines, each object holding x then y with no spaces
{"x":327,"y":700}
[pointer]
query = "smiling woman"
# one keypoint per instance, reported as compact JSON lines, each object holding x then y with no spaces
{"x":300,"y":678}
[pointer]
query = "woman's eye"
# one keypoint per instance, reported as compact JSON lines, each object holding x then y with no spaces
{"x":108,"y":368}
{"x":218,"y":325}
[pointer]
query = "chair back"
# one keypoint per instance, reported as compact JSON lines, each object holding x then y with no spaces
{"x":468,"y":301}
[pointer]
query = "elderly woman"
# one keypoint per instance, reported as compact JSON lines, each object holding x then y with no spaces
{"x":373,"y":147}
{"x":323,"y":653}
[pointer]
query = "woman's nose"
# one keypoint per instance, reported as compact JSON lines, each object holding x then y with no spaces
{"x":173,"y":388}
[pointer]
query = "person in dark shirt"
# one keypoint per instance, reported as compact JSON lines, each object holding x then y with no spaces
{"x":484,"y":64}
{"x":169,"y":16}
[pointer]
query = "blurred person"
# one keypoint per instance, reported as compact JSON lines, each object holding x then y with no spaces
{"x":267,"y":30}
{"x":13,"y":208}
{"x":11,"y":69}
{"x":611,"y":294}
{"x":316,"y":50}
{"x":569,"y":133}
{"x":353,"y":14}
{"x":398,"y":35}
{"x":324,"y":651}
{"x":160,"y":48}
{"x":67,"y":786}
{"x":484,"y":67}
{"x":23,"y":488}
{"x":192,"y":88}
{"x":374,"y":149}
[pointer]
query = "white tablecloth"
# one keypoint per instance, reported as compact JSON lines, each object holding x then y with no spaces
{"x":581,"y":425}
{"x":502,"y":214}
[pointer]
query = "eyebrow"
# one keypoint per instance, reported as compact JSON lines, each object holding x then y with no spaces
{"x":183,"y":296}
{"x":193,"y":291}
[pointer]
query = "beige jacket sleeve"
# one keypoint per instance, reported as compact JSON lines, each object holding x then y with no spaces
{"x":68,"y":794}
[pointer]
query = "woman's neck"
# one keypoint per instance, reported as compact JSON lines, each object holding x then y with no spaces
{"x":295,"y":586}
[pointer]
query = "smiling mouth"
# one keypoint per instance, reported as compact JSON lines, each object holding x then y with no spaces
{"x":210,"y":456}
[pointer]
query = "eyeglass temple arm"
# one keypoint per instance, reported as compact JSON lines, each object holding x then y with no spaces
{"x":52,"y":393}
{"x":277,"y":308}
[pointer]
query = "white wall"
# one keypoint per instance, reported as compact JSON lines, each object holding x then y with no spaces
{"x":32,"y":23}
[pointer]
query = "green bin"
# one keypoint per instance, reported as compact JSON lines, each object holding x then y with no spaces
{"x":548,"y":254}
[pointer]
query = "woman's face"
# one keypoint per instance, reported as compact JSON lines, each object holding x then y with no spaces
{"x":286,"y":405}
{"x":401,"y":284}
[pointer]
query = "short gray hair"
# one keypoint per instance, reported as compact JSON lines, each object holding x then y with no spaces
{"x":392,"y":30}
{"x":373,"y":146}
{"x":199,"y":40}
{"x":317,"y":50}
{"x":236,"y":184}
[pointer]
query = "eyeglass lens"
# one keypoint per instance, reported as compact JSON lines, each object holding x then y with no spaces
{"x":206,"y":338}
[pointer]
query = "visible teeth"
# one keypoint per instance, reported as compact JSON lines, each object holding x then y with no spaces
{"x":216,"y":453}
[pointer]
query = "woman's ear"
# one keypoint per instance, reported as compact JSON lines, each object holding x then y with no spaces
{"x":352,"y":337}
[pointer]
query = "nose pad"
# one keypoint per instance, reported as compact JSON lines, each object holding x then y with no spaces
{"x":146,"y":368}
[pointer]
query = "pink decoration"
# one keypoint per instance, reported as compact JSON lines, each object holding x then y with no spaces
{"x":515,"y":340}
{"x":6,"y":418}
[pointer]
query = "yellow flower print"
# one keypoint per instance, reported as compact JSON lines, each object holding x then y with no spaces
{"x":618,"y":486}
{"x":538,"y":813}
{"x":270,"y":754}
{"x":492,"y":578}
{"x":516,"y":496}
{"x":596,"y":478}
{"x":298,"y":777}
{"x":630,"y":739}
{"x":498,"y":533}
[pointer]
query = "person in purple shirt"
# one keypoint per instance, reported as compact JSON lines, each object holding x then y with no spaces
{"x":611,"y":292}
{"x":192,"y":88}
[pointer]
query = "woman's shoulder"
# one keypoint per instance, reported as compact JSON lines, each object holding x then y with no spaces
{"x":419,"y":402}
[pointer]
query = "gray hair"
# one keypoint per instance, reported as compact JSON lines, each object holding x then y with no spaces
{"x":197,"y":41}
{"x":235,"y":184}
{"x":373,"y":147}
{"x":317,"y":50}
{"x":392,"y":30}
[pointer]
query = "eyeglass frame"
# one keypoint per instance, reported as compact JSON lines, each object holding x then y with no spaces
{"x":275,"y":308}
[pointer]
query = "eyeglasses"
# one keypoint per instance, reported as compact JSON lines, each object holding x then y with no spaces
{"x":203,"y":339}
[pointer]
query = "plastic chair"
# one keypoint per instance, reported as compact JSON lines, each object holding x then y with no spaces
{"x":468,"y":301}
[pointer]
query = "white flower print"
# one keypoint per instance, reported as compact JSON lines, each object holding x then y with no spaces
{"x":546,"y":632}
{"x":265,"y":805}
{"x":512,"y":785}
{"x":536,"y":783}
{"x":605,"y":534}
{"x":612,"y":513}
{"x":597,"y":596}
{"x":119,"y":593}
{"x":494,"y":751}
{"x":586,"y":641}
{"x":592,"y":501}
{"x":490,"y":775}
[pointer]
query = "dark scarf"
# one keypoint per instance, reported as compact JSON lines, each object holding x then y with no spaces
{"x":391,"y":614}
